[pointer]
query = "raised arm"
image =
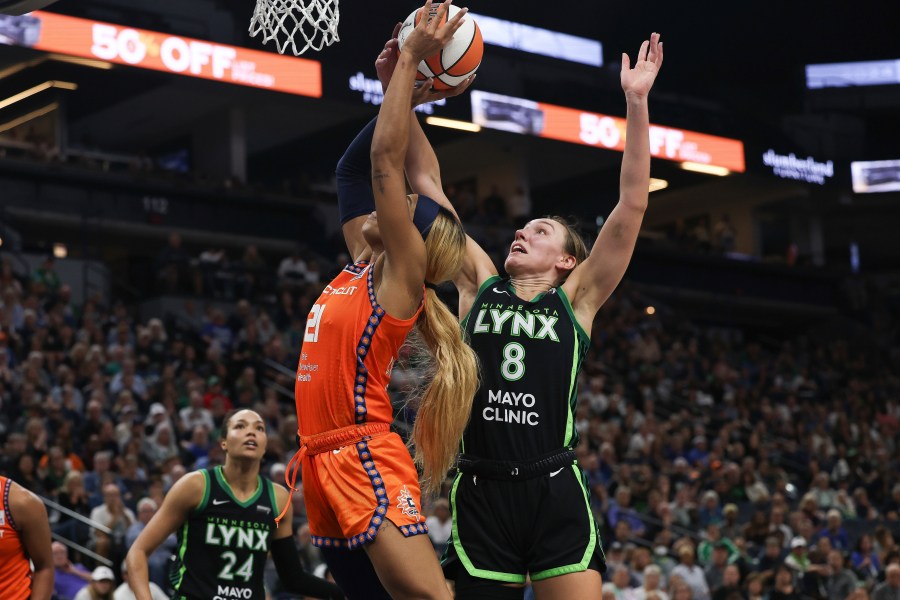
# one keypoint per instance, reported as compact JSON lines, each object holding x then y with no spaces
{"x":592,"y":282}
{"x":423,"y":171}
{"x":404,"y":266}
{"x":177,"y":505}
{"x":424,"y":174}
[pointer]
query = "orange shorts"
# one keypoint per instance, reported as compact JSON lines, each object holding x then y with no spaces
{"x":351,"y":490}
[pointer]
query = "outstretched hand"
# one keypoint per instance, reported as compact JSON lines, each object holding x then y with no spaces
{"x":423,"y":91}
{"x":637,"y":81}
{"x":428,"y":37}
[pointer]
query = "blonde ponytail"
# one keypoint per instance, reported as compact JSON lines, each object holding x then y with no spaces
{"x":445,"y":404}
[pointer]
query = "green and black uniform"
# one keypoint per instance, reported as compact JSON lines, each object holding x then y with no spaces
{"x":222,"y":547}
{"x":520,"y":502}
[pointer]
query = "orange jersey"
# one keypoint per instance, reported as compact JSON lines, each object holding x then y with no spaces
{"x":15,"y":570}
{"x":349,"y":348}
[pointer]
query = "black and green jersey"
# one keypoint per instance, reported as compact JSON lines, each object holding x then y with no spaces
{"x":530,"y":354}
{"x":222,"y":547}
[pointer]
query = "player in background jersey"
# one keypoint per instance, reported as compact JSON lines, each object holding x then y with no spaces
{"x":24,"y":536}
{"x":360,"y":484}
{"x":519,"y":502}
{"x":225,"y":518}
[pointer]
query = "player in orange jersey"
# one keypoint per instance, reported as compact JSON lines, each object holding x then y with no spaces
{"x":24,"y":535}
{"x":360,"y":484}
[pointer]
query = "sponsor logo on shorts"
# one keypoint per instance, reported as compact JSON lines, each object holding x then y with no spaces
{"x":406,"y":504}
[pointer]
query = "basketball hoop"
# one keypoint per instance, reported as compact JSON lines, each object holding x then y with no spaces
{"x":286,"y":20}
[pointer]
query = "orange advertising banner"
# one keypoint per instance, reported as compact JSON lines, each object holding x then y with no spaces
{"x":172,"y":54}
{"x":592,"y":129}
{"x":520,"y":115}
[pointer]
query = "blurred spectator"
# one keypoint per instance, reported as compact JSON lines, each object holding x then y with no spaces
{"x":724,"y":234}
{"x":864,"y":560}
{"x":715,"y":570}
{"x":101,"y":587}
{"x":892,"y":506}
{"x":439,"y":524}
{"x":69,"y":578}
{"x":754,"y":588}
{"x":292,"y":270}
{"x":784,"y":588}
{"x":863,"y":506}
{"x":252,"y":270}
{"x":890,"y":589}
{"x":124,"y":591}
{"x":158,"y":561}
{"x":45,"y":280}
{"x":690,"y":573}
{"x":73,"y":497}
{"x":196,"y":414}
{"x":729,"y":588}
{"x":652,"y":586}
{"x":834,"y":531}
{"x":112,"y":514}
{"x":217,"y":330}
{"x":211,"y":277}
{"x":173,"y":265}
{"x":837,"y":581}
{"x":620,"y":510}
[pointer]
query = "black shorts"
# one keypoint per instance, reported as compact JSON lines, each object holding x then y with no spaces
{"x":506,"y":528}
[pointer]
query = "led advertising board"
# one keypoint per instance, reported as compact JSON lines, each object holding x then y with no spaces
{"x":526,"y":38}
{"x":850,"y":74}
{"x":162,"y":52}
{"x":875,"y":176}
{"x":523,"y":116}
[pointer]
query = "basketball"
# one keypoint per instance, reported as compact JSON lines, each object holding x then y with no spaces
{"x":20,"y":7}
{"x":457,"y":60}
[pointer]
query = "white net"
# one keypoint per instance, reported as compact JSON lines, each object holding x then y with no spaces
{"x":298,"y":24}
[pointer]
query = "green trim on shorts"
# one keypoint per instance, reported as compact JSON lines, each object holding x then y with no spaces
{"x":589,"y":551}
{"x":464,"y":558}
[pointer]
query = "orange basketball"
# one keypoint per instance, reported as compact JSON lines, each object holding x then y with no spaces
{"x":457,"y":60}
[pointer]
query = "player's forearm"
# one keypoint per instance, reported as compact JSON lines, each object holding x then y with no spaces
{"x":634,"y":180}
{"x":42,"y":584}
{"x":421,"y":161}
{"x":391,"y":138}
{"x":138,"y":574}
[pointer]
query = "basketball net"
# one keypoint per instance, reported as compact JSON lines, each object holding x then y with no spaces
{"x":286,"y":21}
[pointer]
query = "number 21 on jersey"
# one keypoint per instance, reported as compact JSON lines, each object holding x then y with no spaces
{"x":313,"y":322}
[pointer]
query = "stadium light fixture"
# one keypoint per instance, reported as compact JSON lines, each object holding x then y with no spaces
{"x":77,"y":60}
{"x":453,"y":124}
{"x":40,"y":112}
{"x":658,"y":184}
{"x":64,"y":85}
{"x":60,"y":251}
{"x":702,"y":168}
{"x":18,"y":67}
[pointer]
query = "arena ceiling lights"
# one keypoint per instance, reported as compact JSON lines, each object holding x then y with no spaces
{"x":519,"y":115}
{"x":98,"y":41}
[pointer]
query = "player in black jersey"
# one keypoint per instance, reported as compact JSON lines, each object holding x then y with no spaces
{"x":225,"y":518}
{"x":520,"y":504}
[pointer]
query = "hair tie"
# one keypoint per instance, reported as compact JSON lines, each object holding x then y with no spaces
{"x":431,"y":286}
